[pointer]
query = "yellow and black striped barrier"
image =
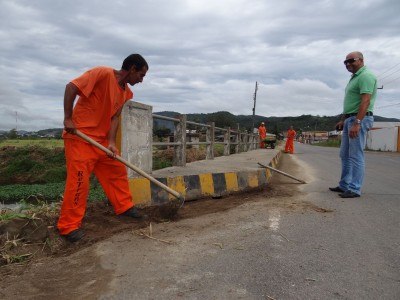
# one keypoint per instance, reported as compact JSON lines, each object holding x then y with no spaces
{"x":192,"y":187}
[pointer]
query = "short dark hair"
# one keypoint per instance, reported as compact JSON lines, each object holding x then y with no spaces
{"x":134,"y":60}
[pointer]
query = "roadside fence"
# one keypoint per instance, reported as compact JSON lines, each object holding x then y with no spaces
{"x":233,"y":140}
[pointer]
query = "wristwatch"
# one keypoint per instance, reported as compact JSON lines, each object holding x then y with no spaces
{"x":358,"y":121}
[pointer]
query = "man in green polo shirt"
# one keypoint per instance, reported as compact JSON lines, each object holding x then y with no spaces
{"x":357,"y":119}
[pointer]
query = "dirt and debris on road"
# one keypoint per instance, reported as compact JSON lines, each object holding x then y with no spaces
{"x":51,"y":267}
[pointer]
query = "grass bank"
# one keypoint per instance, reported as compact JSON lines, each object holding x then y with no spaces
{"x":45,"y":143}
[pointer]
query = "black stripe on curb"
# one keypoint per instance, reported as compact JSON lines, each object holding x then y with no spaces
{"x":159,"y":195}
{"x":242,"y":178}
{"x":193,"y":187}
{"x":219,"y":183}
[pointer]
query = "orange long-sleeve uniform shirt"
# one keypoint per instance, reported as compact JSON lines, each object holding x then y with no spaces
{"x":262,"y":133}
{"x":100,"y":98}
{"x":289,"y":146}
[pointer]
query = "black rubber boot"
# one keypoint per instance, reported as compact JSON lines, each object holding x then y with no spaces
{"x":74,"y":235}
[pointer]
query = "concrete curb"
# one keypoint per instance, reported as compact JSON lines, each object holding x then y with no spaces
{"x":192,"y":187}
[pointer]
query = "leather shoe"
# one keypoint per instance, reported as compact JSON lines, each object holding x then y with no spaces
{"x":336,"y":189}
{"x":349,"y":194}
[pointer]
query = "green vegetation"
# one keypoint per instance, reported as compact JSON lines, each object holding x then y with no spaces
{"x":329,"y":143}
{"x":11,"y":259}
{"x":34,"y":173}
{"x":45,"y":143}
{"x":31,"y":165}
{"x":48,"y":192}
{"x":161,"y":163}
{"x":9,"y":215}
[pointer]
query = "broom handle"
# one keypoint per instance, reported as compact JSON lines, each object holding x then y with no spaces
{"x":283,"y":173}
{"x":128,"y":164}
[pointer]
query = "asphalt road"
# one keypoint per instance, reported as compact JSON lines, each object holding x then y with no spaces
{"x":303,"y":242}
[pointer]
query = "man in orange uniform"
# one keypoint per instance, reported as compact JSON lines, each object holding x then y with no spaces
{"x":291,"y":134}
{"x":102,"y":93}
{"x":262,"y":133}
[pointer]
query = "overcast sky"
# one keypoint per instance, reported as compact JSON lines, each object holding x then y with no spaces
{"x":204,"y":56}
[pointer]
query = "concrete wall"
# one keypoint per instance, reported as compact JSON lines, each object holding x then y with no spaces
{"x":384,"y":139}
{"x":137,"y":136}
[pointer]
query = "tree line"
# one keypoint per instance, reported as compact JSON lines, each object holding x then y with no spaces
{"x":274,"y":125}
{"x":225,"y":119}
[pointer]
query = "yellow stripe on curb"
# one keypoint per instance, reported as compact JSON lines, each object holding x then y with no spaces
{"x":140,"y":190}
{"x":177,"y":184}
{"x":231,"y":182}
{"x":268,"y":174}
{"x":253,"y":180}
{"x":207,"y":184}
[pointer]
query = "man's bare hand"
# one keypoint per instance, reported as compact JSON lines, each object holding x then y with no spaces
{"x":353,"y":133}
{"x":114,"y":150}
{"x":339,"y":125}
{"x":69,"y":126}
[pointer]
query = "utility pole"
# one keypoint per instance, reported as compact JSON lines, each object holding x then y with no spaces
{"x":254,"y":107}
{"x":16,"y":121}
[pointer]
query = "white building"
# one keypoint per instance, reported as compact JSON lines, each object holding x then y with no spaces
{"x":384,"y":136}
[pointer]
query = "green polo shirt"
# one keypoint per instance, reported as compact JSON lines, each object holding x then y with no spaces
{"x":362,"y":82}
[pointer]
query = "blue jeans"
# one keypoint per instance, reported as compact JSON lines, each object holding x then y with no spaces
{"x":352,"y":155}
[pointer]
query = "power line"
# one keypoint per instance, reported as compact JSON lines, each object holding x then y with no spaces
{"x":388,"y":75}
{"x":388,"y":105}
{"x":392,"y":80}
{"x":389,"y":69}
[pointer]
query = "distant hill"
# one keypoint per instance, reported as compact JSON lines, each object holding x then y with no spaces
{"x":225,"y":119}
{"x":50,"y":132}
{"x":274,"y":124}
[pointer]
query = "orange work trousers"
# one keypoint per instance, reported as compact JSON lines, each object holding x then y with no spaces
{"x":289,"y":146}
{"x":262,"y":143}
{"x":83,"y":159}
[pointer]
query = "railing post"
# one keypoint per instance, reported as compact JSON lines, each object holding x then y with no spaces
{"x":180,"y":136}
{"x":210,"y":138}
{"x":135,"y":136}
{"x":246,"y":141}
{"x":227,"y":141}
{"x":238,"y":139}
{"x":252,"y":141}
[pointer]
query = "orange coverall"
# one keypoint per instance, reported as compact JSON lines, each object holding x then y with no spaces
{"x":100,"y":98}
{"x":289,"y":146}
{"x":262,"y":132}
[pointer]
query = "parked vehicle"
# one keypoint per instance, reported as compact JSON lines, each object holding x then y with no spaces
{"x":270,"y":141}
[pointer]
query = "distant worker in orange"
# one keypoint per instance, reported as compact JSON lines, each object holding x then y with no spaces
{"x":291,"y":134}
{"x":101,"y":92}
{"x":262,"y":133}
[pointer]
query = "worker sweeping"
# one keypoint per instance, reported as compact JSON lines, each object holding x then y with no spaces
{"x":262,"y":134}
{"x":290,"y":136}
{"x":102,"y":93}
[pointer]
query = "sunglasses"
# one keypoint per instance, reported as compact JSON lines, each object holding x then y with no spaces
{"x":350,"y":60}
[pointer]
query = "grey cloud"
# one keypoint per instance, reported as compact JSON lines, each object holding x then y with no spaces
{"x":204,"y":56}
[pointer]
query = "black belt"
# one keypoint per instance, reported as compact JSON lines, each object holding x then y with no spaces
{"x":369,"y":113}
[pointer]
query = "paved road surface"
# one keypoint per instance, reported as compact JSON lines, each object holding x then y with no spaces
{"x":304,"y":242}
